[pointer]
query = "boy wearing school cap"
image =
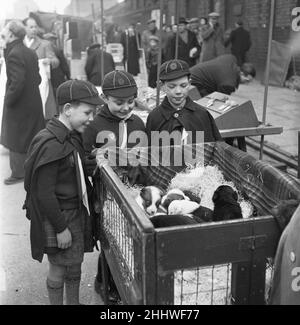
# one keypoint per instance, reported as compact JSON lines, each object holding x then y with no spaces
{"x":57,"y":185}
{"x":116,"y":116}
{"x":112,"y":127}
{"x":178,"y":112}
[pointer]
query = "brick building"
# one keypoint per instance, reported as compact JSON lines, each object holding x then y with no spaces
{"x":255,"y":14}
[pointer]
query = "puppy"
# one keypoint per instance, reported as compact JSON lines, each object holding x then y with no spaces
{"x":226,"y":204}
{"x":284,"y":211}
{"x":173,"y":195}
{"x":149,"y":199}
{"x":203,"y":214}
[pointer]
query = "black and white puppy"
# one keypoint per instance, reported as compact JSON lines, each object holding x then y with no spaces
{"x":149,"y":199}
{"x":226,"y":204}
{"x":173,"y":195}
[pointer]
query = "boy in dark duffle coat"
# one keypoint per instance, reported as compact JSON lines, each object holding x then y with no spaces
{"x":116,"y":118}
{"x":57,"y":185}
{"x":178,"y":112}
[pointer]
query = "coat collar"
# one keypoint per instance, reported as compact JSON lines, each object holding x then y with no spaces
{"x":105,"y":112}
{"x":11,"y":45}
{"x":168,"y":110}
{"x":59,"y":130}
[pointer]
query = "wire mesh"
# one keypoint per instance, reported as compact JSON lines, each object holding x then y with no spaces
{"x":203,"y":286}
{"x":120,"y":235}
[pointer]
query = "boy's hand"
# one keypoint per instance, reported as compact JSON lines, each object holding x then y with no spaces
{"x":64,"y":239}
{"x":90,"y":164}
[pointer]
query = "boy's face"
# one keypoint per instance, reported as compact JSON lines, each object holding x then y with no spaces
{"x":120,"y":107}
{"x":177,"y":91}
{"x":79,"y":117}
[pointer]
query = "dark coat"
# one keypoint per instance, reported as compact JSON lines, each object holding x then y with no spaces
{"x":240,"y":44}
{"x":183,"y":48}
{"x":23,"y":111}
{"x":93,"y":66}
{"x":105,"y":121}
{"x":192,"y":117}
{"x":220,"y":74}
{"x":62,"y":73}
{"x":131,"y":52}
{"x":52,"y":144}
{"x":212,"y":43}
{"x":285,"y":286}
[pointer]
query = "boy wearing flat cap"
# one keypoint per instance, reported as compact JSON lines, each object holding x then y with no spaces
{"x":115,"y":116}
{"x":178,"y":112}
{"x":57,"y":185}
{"x":116,"y":119}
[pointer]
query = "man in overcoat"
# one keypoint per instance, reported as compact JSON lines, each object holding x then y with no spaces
{"x":188,"y":46}
{"x":212,"y":39}
{"x":240,"y":42}
{"x":22,"y":112}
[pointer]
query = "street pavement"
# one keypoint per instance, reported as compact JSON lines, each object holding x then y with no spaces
{"x":283,"y":110}
{"x":22,"y":280}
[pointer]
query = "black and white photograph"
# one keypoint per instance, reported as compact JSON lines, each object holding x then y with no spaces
{"x":149,"y":155}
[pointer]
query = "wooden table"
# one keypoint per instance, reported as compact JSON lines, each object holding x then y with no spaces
{"x":240,"y":134}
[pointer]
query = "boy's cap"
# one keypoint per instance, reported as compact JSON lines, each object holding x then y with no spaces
{"x":150,"y":21}
{"x":119,"y":84}
{"x":78,"y":90}
{"x":174,"y":69}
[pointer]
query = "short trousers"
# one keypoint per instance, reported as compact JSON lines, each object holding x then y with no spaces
{"x":74,"y":254}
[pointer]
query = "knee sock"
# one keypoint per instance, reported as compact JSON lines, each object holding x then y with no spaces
{"x":72,"y":284}
{"x":55,"y":292}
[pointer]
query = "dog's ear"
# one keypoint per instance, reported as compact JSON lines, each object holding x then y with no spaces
{"x":143,"y":192}
{"x":166,"y":203}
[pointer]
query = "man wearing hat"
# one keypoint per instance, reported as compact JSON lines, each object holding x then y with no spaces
{"x":188,"y":46}
{"x":114,"y":123}
{"x":151,"y":30}
{"x":212,"y":39}
{"x":178,"y":112}
{"x":56,"y":183}
{"x":93,"y":64}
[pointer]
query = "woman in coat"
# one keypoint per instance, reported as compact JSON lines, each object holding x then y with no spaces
{"x":22,"y":112}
